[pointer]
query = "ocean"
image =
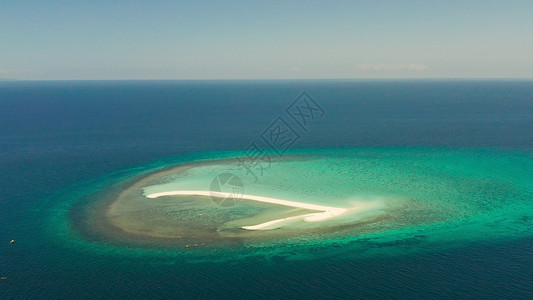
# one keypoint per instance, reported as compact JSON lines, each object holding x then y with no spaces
{"x":63,"y":141}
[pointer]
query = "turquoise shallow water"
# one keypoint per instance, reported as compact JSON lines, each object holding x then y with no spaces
{"x":67,"y":146}
{"x":433,"y":199}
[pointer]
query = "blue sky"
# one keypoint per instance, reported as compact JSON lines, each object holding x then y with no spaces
{"x":265,"y":39}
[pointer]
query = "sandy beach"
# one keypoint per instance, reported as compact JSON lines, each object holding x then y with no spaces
{"x":325,"y":212}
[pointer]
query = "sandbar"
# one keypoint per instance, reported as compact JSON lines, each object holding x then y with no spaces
{"x":325,"y":212}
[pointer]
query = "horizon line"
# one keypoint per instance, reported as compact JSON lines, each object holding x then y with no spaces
{"x":275,"y":79}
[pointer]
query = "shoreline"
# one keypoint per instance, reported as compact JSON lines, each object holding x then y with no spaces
{"x":326,"y":212}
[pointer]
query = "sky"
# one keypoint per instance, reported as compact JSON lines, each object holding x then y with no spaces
{"x":61,"y":40}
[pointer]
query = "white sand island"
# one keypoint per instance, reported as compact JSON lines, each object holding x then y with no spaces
{"x":325,"y":212}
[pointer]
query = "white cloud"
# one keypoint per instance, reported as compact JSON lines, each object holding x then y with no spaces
{"x":3,"y":71}
{"x":397,"y":67}
{"x":415,"y":67}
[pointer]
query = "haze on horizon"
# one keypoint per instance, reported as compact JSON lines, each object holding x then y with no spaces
{"x":57,"y":40}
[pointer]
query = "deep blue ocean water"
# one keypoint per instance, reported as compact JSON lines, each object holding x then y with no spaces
{"x":57,"y":135}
